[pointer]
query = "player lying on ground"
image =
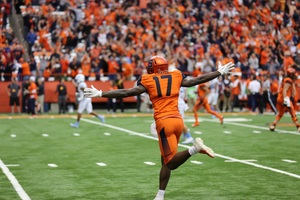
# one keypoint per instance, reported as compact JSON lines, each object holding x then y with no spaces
{"x":163,"y":88}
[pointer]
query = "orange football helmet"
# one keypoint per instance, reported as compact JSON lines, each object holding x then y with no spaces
{"x":157,"y":64}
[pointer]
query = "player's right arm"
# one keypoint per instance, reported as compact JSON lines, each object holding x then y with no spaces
{"x":120,"y":93}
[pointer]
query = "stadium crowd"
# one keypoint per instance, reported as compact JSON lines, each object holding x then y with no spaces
{"x":101,"y":38}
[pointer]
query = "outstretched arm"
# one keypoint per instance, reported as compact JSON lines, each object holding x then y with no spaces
{"x":120,"y":93}
{"x":222,"y":69}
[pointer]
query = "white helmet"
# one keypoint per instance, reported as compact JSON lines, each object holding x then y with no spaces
{"x":79,"y":78}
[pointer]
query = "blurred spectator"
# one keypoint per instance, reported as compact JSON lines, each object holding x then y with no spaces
{"x":61,"y":90}
{"x":255,"y":96}
{"x":25,"y":69}
{"x":14,"y":91}
{"x":32,"y":92}
{"x":31,"y":38}
{"x":120,"y":85}
{"x":127,"y":69}
{"x":40,"y":95}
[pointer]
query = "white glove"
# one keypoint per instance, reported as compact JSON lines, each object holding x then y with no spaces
{"x":92,"y":92}
{"x":287,"y":101}
{"x":225,"y":69}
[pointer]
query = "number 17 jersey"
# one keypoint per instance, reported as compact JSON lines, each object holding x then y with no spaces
{"x":163,"y":90}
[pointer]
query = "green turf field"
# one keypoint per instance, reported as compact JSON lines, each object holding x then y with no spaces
{"x":251,"y":162}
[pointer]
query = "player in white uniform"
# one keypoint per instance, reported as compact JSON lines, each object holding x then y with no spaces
{"x":182,"y":107}
{"x":213,"y":94}
{"x":84,"y":103}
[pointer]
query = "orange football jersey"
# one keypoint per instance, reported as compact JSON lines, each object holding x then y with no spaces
{"x":289,"y":91}
{"x":163,"y":90}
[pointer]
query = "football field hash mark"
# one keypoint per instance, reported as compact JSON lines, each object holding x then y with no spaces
{"x":45,"y":135}
{"x":196,"y":162}
{"x":101,"y":164}
{"x":289,"y":161}
{"x":107,"y":134}
{"x":217,"y":155}
{"x":21,"y":192}
{"x":52,"y":165}
{"x":13,"y":135}
{"x":76,"y":134}
{"x":149,"y":163}
{"x":198,"y":132}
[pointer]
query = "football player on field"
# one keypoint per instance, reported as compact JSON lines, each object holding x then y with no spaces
{"x":84,"y":103}
{"x":286,"y":92}
{"x":163,"y":87}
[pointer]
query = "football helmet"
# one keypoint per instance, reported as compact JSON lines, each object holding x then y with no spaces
{"x":157,"y":64}
{"x":79,"y":78}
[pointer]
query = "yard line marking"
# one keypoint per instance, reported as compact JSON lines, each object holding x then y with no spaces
{"x":260,"y":166}
{"x":149,"y":163}
{"x":21,"y":192}
{"x":186,"y":146}
{"x":289,"y":161}
{"x":255,"y":127}
{"x":196,"y":162}
{"x":242,"y":160}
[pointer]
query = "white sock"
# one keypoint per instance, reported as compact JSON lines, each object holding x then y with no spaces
{"x":160,"y":193}
{"x":192,"y":150}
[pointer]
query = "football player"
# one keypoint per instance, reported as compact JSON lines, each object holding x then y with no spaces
{"x":202,"y":100}
{"x":163,"y":87}
{"x":286,"y":92}
{"x":83,"y":102}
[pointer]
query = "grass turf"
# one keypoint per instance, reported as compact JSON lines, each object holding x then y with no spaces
{"x":126,"y":176}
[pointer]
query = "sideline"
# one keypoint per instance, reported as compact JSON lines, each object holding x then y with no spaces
{"x":21,"y":192}
{"x":186,"y":146}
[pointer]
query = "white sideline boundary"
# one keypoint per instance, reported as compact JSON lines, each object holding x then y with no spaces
{"x":186,"y":146}
{"x":21,"y":192}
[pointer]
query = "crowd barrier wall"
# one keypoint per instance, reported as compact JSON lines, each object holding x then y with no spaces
{"x":52,"y":97}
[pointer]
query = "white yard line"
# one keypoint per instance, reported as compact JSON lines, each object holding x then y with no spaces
{"x":186,"y":146}
{"x":21,"y":192}
{"x":252,"y":126}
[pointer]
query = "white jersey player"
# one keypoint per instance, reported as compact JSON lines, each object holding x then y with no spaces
{"x":182,"y":107}
{"x":83,"y":103}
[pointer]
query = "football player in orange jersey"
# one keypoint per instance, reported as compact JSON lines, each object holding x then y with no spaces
{"x":202,"y":101}
{"x":163,"y":87}
{"x":286,"y":92}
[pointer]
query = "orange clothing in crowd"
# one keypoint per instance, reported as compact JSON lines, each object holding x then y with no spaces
{"x":26,"y":69}
{"x":32,"y":90}
{"x":127,"y":70}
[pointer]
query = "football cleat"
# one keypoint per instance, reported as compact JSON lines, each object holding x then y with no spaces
{"x":159,"y":198}
{"x":202,"y":148}
{"x":222,"y":120}
{"x":102,"y":118}
{"x":75,"y":125}
{"x":195,"y":124}
{"x":189,"y":140}
{"x":272,"y":128}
